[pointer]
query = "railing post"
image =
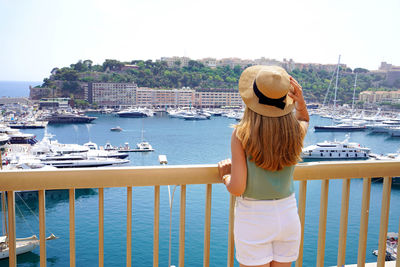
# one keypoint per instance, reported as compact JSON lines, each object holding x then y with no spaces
{"x":42,"y":227}
{"x":156,"y":229}
{"x":101,"y":227}
{"x":207,"y":228}
{"x":322,"y":222}
{"x":398,"y":258}
{"x":302,"y":216}
{"x":129,"y":227}
{"x":362,"y":243}
{"x":11,"y":228}
{"x":231,"y":241}
{"x":387,"y":183}
{"x":72,"y":227}
{"x":344,"y":215}
{"x":182,"y":227}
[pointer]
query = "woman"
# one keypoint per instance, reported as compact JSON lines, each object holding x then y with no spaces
{"x":265,"y":146}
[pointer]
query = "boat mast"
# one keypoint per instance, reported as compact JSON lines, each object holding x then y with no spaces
{"x":336,"y":84}
{"x":327,"y":92}
{"x":354,"y":93}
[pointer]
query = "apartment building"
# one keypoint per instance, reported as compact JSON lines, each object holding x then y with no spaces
{"x":112,"y":94}
{"x":164,"y":97}
{"x":215,"y":98}
{"x":128,"y":94}
{"x":380,"y":96}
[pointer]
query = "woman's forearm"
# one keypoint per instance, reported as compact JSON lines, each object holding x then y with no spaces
{"x":301,"y":111}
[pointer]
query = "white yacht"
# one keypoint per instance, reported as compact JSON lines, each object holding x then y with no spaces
{"x":135,"y":113}
{"x":79,"y":161}
{"x":144,"y":147}
{"x":335,"y":150}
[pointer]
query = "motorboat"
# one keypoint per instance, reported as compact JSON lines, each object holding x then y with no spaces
{"x":116,"y":129}
{"x":335,"y":150}
{"x":392,"y":243}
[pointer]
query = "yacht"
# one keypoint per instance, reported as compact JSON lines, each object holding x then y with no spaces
{"x":341,"y":128}
{"x":335,"y":150}
{"x":135,"y":113}
{"x":16,"y":137}
{"x":28,"y":125}
{"x":56,"y":118}
{"x":79,"y":161}
{"x":195,"y":117}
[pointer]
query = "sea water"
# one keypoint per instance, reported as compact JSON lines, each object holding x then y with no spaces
{"x":185,"y":142}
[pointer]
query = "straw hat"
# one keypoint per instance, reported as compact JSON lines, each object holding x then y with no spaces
{"x":264,"y":90}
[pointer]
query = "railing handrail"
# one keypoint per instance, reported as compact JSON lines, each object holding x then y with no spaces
{"x":12,"y":180}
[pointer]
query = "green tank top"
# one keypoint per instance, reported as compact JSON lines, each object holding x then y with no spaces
{"x":263,"y":184}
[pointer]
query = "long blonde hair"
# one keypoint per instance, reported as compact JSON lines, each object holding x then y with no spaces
{"x":271,"y":142}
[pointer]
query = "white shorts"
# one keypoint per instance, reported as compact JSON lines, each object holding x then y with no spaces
{"x":266,"y":230}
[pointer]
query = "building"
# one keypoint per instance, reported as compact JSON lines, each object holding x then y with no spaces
{"x":209,"y":62}
{"x":164,"y":97}
{"x":216,"y":98}
{"x":173,"y":61}
{"x":15,"y":101}
{"x":380,"y":96}
{"x":59,"y":103}
{"x":37,"y":93}
{"x":111,"y":94}
{"x":233,"y":61}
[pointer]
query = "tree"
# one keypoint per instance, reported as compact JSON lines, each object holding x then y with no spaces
{"x":88,"y":63}
{"x":70,"y":87}
{"x":360,"y":70}
{"x":112,"y":65}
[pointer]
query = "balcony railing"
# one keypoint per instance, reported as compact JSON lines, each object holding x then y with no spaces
{"x":129,"y":177}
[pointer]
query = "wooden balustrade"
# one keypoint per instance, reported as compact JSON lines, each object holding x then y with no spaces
{"x":42,"y":180}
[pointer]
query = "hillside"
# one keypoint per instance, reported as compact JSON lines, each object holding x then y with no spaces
{"x":68,"y":81}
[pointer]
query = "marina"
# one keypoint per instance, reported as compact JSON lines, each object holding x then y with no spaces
{"x":205,"y":142}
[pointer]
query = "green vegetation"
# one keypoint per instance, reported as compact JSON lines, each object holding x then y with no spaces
{"x":70,"y":80}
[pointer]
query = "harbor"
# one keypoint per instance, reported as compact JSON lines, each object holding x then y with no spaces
{"x":186,"y":143}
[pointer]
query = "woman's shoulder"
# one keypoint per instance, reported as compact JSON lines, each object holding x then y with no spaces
{"x":304,"y":125}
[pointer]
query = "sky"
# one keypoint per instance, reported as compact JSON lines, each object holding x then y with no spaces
{"x":38,"y":35}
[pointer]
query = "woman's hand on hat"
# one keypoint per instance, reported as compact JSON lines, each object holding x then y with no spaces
{"x":297,"y":94}
{"x":224,"y":167}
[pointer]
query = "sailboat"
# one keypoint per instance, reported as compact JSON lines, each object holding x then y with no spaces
{"x":23,"y":245}
{"x":344,"y":127}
